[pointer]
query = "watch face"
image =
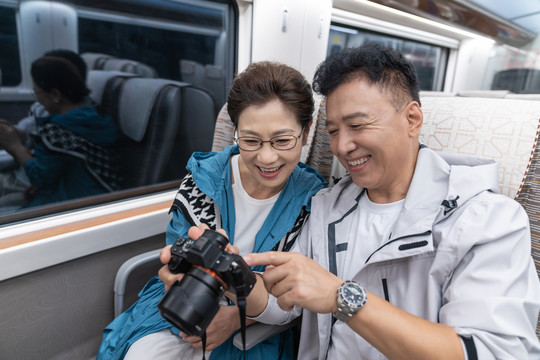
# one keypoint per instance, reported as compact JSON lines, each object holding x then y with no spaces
{"x":353,"y":295}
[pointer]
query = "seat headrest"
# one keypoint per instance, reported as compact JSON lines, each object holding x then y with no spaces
{"x":97,"y":79}
{"x":91,"y":58}
{"x":136,"y":101}
{"x":213,"y":72}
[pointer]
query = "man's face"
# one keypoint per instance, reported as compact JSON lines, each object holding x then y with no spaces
{"x":372,"y":140}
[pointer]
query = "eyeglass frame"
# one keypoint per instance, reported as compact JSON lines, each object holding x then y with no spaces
{"x":261,"y":142}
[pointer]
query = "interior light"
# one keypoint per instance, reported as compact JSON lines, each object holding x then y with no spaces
{"x":425,"y":21}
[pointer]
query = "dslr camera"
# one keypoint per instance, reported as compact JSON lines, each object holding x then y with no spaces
{"x":192,"y":303}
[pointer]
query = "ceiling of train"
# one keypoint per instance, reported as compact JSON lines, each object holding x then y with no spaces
{"x":525,"y":13}
{"x":513,"y":22}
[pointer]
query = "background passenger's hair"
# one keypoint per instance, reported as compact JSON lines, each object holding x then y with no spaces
{"x":380,"y":65}
{"x":50,"y":72}
{"x":265,"y":81}
{"x":72,"y":57}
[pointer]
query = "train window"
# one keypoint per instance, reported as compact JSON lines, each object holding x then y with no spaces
{"x":513,"y":69}
{"x":168,"y":66}
{"x":10,"y":65}
{"x":429,"y":60}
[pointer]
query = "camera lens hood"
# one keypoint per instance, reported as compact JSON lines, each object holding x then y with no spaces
{"x":192,"y":303}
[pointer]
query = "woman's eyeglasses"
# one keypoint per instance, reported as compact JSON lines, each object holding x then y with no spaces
{"x":280,"y":142}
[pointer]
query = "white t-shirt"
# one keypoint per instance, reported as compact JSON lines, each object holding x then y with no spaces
{"x":373,"y":223}
{"x":250,"y":213}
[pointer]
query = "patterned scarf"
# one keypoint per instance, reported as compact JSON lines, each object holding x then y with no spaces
{"x":100,"y":162}
{"x":197,"y":208}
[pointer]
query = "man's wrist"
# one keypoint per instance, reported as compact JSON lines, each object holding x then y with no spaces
{"x":351,"y":297}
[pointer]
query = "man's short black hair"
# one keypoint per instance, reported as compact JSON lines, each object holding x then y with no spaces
{"x":380,"y":65}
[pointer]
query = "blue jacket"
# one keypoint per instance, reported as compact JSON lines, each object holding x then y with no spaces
{"x":212,"y":175}
{"x":59,"y":176}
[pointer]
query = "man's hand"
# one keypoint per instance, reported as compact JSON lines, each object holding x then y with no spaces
{"x":295,"y":279}
{"x":224,"y":324}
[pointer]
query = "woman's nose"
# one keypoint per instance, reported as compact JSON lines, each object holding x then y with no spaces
{"x":267,"y":154}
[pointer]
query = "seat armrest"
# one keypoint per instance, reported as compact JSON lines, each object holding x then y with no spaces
{"x":258,"y":332}
{"x":123,"y":274}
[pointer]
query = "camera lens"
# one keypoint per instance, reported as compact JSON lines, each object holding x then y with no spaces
{"x":192,"y":303}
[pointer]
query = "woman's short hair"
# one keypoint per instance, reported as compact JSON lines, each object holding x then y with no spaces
{"x":50,"y":72}
{"x":265,"y":81}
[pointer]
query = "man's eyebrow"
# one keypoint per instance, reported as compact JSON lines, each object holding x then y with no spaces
{"x":358,"y":114}
{"x":354,"y":115}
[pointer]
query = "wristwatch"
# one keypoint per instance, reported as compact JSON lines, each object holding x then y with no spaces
{"x":350,"y":298}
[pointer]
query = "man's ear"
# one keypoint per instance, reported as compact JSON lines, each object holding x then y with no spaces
{"x":306,"y":133}
{"x":415,"y":117}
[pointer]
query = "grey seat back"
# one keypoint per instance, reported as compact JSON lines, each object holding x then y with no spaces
{"x":161,"y":123}
{"x":97,"y":82}
{"x":130,"y":66}
{"x":95,"y":61}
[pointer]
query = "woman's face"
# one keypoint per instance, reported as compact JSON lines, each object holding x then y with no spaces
{"x":265,"y":171}
{"x":47,"y":99}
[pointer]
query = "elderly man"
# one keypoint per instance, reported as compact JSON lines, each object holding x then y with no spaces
{"x":412,"y":254}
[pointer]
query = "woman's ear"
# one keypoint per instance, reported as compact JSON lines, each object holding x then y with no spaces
{"x":306,"y":133}
{"x":56,"y":95}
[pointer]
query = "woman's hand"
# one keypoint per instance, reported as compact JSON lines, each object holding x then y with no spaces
{"x":9,"y":138}
{"x":11,"y":142}
{"x":224,"y":324}
{"x":164,"y":273}
{"x":194,"y":233}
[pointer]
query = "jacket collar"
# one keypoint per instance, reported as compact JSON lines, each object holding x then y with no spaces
{"x":212,"y":174}
{"x":441,"y":183}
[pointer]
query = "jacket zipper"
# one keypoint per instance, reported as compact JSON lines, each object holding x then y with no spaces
{"x":428,"y":232}
{"x":385,"y":289}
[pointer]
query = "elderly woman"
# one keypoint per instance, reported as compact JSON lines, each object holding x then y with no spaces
{"x":257,"y":191}
{"x":71,"y":158}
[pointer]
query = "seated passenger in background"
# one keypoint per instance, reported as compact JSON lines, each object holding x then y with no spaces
{"x":257,"y":191}
{"x":26,"y":126}
{"x":71,"y":157}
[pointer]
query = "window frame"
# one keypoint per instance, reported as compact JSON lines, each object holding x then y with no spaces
{"x":83,"y":205}
{"x":408,"y":32}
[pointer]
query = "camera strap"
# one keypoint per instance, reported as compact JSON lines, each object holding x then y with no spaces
{"x":241,"y":293}
{"x":203,"y":338}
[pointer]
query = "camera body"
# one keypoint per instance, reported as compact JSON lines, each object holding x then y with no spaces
{"x":192,"y":303}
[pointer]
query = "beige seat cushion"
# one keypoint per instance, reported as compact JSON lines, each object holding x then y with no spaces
{"x":501,"y":129}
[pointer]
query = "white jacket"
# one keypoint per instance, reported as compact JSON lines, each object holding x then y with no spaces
{"x":459,"y":254}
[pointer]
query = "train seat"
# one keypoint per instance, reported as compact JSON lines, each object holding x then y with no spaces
{"x":207,"y":77}
{"x":498,"y":128}
{"x":95,"y":61}
{"x":503,"y":128}
{"x":130,"y":66}
{"x":214,"y":82}
{"x":224,"y":130}
{"x":191,"y":72}
{"x":97,"y":81}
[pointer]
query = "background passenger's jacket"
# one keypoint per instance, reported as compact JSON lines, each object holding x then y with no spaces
{"x":211,"y":175}
{"x":458,"y":254}
{"x":60,"y":173}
